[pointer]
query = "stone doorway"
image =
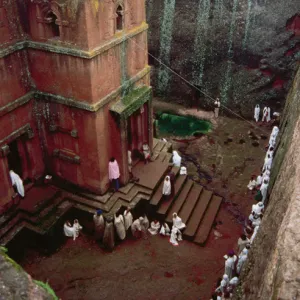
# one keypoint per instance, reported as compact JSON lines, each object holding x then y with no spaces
{"x":14,"y":158}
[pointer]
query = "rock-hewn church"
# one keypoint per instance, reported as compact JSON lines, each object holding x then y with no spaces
{"x":75,"y":90}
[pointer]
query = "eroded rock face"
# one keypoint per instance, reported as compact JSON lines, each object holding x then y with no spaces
{"x":15,"y":283}
{"x":273,"y":269}
{"x":244,"y":51}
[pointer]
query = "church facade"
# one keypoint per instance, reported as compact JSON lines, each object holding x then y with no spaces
{"x":74,"y":90}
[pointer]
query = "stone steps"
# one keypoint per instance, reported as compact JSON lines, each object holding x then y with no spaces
{"x":176,"y":206}
{"x":166,"y":205}
{"x":198,"y":213}
{"x":190,"y":203}
{"x":208,"y":220}
{"x":156,"y":198}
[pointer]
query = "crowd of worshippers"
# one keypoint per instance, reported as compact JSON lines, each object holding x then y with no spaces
{"x":109,"y":229}
{"x":234,"y":263}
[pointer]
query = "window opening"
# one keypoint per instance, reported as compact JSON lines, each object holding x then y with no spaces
{"x":119,"y":18}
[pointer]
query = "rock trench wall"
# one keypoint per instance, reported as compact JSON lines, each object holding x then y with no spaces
{"x":273,"y":268}
{"x":241,"y":50}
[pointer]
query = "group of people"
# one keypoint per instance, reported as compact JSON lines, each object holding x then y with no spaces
{"x":266,"y":114}
{"x":234,"y":263}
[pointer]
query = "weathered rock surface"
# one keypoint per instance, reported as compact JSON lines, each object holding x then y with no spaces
{"x":244,"y":51}
{"x":273,"y":269}
{"x":15,"y":283}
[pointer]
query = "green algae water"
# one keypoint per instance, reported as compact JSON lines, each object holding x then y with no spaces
{"x":168,"y":124}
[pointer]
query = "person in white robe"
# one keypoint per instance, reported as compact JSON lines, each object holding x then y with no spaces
{"x":166,"y":191}
{"x":230,"y":264}
{"x":109,"y":234}
{"x":259,"y":180}
{"x":145,"y":223}
{"x":17,"y":182}
{"x":99,"y":223}
{"x":176,"y":159}
{"x":127,"y":218}
{"x":155,"y":225}
{"x":268,"y":162}
{"x":256,"y":220}
{"x":258,"y":208}
{"x":251,"y":217}
{"x":129,"y":163}
{"x":69,"y":230}
{"x":183,"y":171}
{"x":177,"y":222}
{"x":254,"y":234}
{"x":256,"y":113}
{"x":233,"y":283}
{"x":165,"y":229}
{"x":223,"y":284}
{"x":265,"y":114}
{"x":269,"y":115}
{"x":266,"y":175}
{"x":272,"y":141}
{"x":77,"y":228}
{"x":241,"y":262}
{"x":264,"y":190}
{"x":217,"y":106}
{"x":252,"y":183}
{"x":146,"y":152}
{"x":120,"y":226}
{"x":176,"y":236}
{"x":275,"y":132}
{"x":136,"y":227}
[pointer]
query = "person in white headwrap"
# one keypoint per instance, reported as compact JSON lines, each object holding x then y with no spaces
{"x":275,"y":131}
{"x":268,"y":162}
{"x":266,"y":175}
{"x":183,"y":171}
{"x":146,"y":152}
{"x":252,"y":183}
{"x":167,"y":189}
{"x":269,"y":115}
{"x":99,"y":224}
{"x":264,"y":190}
{"x":120,"y":226}
{"x":256,"y":220}
{"x":127,"y":218}
{"x":265,"y":114}
{"x":176,"y":159}
{"x":155,"y":225}
{"x":258,"y":208}
{"x":176,"y":236}
{"x":224,"y":284}
{"x":256,"y":112}
{"x":241,"y":261}
{"x":69,"y":230}
{"x":17,"y":182}
{"x":230,"y":264}
{"x":177,"y":222}
{"x":77,"y":227}
{"x":270,"y":151}
{"x":242,"y":242}
{"x":145,"y":223}
{"x":165,"y":229}
{"x":136,"y":227}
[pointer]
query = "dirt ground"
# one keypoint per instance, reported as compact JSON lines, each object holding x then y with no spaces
{"x":154,"y":269}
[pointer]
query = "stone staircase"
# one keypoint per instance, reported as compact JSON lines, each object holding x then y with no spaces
{"x":197,"y":206}
{"x":44,"y":206}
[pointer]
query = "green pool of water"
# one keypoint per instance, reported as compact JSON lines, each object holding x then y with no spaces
{"x":168,"y":124}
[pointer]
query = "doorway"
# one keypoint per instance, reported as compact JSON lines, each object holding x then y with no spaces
{"x":14,"y":158}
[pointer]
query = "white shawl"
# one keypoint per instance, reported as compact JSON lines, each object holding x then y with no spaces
{"x":167,"y":187}
{"x":127,"y":219}
{"x":177,"y":222}
{"x":269,"y":115}
{"x":17,"y":181}
{"x":120,"y":227}
{"x":176,"y":159}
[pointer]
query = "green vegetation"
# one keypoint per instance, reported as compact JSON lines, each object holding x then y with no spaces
{"x":169,"y":124}
{"x":46,"y":287}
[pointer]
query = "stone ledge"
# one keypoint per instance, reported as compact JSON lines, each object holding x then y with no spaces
{"x":61,"y":49}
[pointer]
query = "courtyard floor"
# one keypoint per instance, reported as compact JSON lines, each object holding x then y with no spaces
{"x":153,"y":268}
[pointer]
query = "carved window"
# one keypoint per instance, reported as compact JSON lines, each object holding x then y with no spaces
{"x":51,"y":20}
{"x":119,"y":19}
